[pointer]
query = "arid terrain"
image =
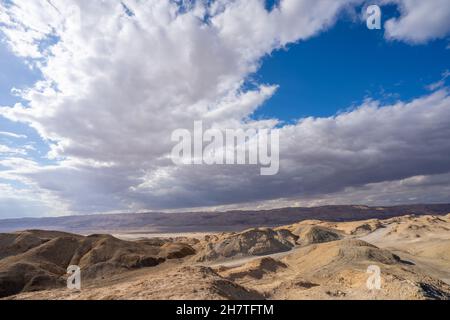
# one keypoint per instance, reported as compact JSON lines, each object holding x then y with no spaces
{"x":311,"y":259}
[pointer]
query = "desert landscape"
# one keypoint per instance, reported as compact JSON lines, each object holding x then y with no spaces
{"x":177,"y":150}
{"x":309,"y":259}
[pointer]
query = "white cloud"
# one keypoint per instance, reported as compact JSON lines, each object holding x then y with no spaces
{"x":320,"y":156}
{"x":9,"y":150}
{"x":420,"y":21}
{"x":115,"y":86}
{"x":12,"y":135}
{"x":439,"y":84}
{"x":19,"y":202}
{"x":20,"y":196}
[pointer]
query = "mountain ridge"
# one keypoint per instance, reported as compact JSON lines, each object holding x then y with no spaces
{"x":154,"y":222}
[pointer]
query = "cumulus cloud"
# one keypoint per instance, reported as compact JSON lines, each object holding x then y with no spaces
{"x":420,"y":21}
{"x":20,"y":196}
{"x":19,"y":202}
{"x":120,"y":76}
{"x":320,"y":156}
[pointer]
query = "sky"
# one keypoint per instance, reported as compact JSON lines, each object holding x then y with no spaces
{"x":91,"y":91}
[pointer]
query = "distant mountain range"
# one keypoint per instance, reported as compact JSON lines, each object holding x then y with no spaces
{"x":213,"y":221}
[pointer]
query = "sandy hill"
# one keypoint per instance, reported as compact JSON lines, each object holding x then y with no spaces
{"x":253,"y":242}
{"x":337,"y":270}
{"x":181,"y":283}
{"x":256,"y":269}
{"x":356,"y":228}
{"x":311,"y":259}
{"x":35,"y":260}
{"x":316,"y":234}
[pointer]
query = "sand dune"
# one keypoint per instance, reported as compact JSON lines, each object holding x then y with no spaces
{"x":311,"y":259}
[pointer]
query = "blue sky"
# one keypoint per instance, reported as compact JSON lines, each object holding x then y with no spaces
{"x":343,"y":66}
{"x":16,"y":73}
{"x":116,"y":90}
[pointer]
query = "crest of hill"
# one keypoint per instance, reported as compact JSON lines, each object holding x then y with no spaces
{"x":316,"y":234}
{"x":252,"y":242}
